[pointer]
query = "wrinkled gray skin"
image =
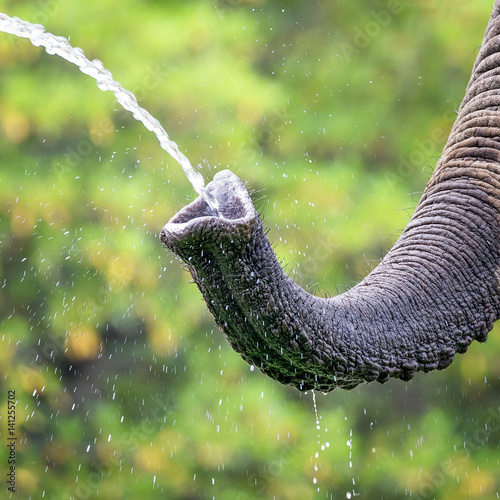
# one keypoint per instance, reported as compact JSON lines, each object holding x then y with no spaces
{"x":435,"y":292}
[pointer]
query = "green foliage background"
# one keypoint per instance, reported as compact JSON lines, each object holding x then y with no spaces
{"x":334,"y":113}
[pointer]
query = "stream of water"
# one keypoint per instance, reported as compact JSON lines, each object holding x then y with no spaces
{"x":58,"y":45}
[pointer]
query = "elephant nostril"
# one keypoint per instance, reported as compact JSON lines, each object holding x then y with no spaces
{"x":232,"y":198}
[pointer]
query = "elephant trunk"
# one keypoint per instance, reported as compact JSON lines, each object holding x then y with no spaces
{"x":436,"y":291}
{"x":427,"y":299}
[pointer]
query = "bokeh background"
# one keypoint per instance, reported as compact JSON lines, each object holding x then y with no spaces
{"x":334,"y":113}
